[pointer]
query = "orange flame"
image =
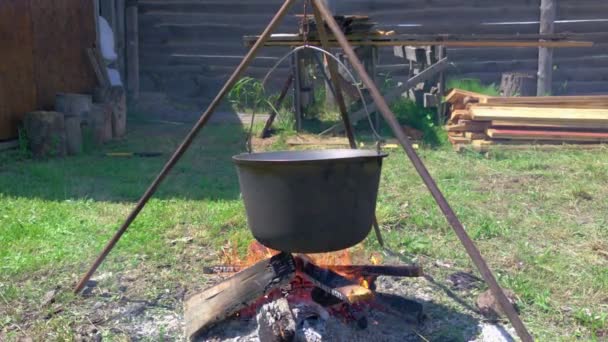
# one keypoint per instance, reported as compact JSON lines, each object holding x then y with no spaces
{"x":257,"y":252}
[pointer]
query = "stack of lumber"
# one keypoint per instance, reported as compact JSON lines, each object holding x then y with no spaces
{"x":350,"y":24}
{"x":482,"y":121}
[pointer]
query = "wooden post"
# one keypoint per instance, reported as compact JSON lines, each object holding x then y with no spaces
{"x":441,"y":54}
{"x":120,"y":36}
{"x":109,"y":12}
{"x":548,"y":12}
{"x":132,"y":50}
{"x":96,"y":17}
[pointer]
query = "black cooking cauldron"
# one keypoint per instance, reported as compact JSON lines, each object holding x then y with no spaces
{"x":310,"y":201}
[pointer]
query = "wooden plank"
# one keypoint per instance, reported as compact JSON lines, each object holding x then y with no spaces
{"x":458,"y":96}
{"x":17,"y":87}
{"x":547,"y":135}
{"x":468,"y":126}
{"x":592,"y":101}
{"x":96,"y":63}
{"x":488,"y":113}
{"x":548,"y":124}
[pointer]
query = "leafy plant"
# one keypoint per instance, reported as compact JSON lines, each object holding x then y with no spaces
{"x":421,"y":119}
{"x":248,"y":94}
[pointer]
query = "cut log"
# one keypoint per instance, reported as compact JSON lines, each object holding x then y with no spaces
{"x":587,"y":115}
{"x":73,"y":133}
{"x":573,"y":136}
{"x":276,"y":322}
{"x":228,"y":297}
{"x":78,"y":105}
{"x":101,"y":123}
{"x":116,"y":98}
{"x":517,"y":84}
{"x":45,"y":132}
{"x":119,"y":112}
{"x":370,"y":270}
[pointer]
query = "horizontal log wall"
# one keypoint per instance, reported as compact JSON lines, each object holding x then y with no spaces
{"x":189,"y":47}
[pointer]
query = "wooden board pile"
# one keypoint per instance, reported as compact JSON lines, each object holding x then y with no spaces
{"x":350,"y":24}
{"x":480,"y":121}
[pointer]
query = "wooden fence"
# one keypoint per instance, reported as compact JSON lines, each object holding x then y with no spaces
{"x":43,"y":52}
{"x":189,"y":47}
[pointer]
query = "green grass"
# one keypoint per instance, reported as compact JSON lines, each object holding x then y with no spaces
{"x":539,"y":218}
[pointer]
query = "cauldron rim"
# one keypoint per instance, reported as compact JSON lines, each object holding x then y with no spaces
{"x":306,"y":156}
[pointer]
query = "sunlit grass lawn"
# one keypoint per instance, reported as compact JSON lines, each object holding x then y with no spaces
{"x":540,"y":219}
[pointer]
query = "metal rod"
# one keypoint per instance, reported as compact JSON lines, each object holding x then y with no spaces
{"x":277,"y":104}
{"x":187,"y":142}
{"x":335,"y":78}
{"x":335,"y":75}
{"x":449,"y":213}
{"x":452,"y":44}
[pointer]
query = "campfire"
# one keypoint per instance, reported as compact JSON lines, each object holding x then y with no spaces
{"x":283,"y":291}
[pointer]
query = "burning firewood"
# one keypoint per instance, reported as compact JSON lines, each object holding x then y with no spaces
{"x":227,"y":298}
{"x":276,"y":322}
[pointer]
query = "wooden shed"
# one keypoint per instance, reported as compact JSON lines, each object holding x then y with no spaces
{"x":43,"y":46}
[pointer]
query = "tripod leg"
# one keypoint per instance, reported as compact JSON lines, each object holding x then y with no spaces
{"x":424,"y":173}
{"x":276,"y":21}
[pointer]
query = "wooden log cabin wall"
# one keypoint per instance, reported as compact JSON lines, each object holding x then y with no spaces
{"x":187,"y":48}
{"x":43,"y":46}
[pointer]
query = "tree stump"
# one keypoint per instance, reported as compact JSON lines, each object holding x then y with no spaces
{"x":119,"y":113}
{"x":518,"y":84}
{"x":73,"y":134}
{"x":46,"y":134}
{"x":78,"y":105}
{"x":100,"y":123}
{"x":116,"y":98}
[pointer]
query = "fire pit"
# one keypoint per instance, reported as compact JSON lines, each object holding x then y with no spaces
{"x":301,"y":202}
{"x":276,"y":290}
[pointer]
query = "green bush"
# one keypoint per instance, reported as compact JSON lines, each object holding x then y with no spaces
{"x":422,"y":119}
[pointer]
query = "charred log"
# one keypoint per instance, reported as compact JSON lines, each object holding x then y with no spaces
{"x":228,"y":297}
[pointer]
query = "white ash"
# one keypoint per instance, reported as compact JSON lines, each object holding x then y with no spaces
{"x":447,"y":319}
